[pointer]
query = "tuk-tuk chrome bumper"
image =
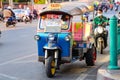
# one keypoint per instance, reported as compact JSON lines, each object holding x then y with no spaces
{"x":63,"y":59}
{"x":51,"y":46}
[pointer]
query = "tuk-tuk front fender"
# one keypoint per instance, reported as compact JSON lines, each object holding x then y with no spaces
{"x":51,"y":46}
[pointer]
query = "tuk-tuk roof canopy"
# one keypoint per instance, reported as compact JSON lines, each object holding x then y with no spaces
{"x":78,"y":9}
{"x":54,"y":12}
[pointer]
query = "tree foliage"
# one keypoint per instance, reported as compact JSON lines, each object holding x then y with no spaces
{"x":17,"y":0}
{"x":23,"y":0}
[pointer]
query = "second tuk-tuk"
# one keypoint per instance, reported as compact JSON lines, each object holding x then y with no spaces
{"x":62,"y":41}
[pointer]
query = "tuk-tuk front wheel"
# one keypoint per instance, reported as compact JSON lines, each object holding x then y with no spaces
{"x":50,"y":66}
{"x":90,"y":56}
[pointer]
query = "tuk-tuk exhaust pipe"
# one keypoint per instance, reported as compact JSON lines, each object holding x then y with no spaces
{"x":46,"y":54}
{"x":56,"y":54}
{"x":56,"y":59}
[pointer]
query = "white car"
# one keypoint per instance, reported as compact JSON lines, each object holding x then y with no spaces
{"x":19,"y":13}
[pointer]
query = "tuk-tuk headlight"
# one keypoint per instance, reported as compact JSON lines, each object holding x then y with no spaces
{"x":36,"y":37}
{"x":51,"y":37}
{"x":68,"y":37}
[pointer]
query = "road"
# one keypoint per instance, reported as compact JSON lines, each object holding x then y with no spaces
{"x":18,"y":58}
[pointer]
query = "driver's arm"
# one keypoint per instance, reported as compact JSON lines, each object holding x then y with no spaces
{"x":95,"y":22}
{"x":106,"y":21}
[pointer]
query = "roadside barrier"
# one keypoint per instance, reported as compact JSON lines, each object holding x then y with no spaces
{"x":114,"y":43}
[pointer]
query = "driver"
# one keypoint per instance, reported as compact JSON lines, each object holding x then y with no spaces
{"x":7,"y":12}
{"x":65,"y":21}
{"x":100,"y":20}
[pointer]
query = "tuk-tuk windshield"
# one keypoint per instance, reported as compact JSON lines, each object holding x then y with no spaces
{"x":55,"y":20}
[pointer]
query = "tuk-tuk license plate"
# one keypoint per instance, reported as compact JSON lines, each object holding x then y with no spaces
{"x":82,"y":45}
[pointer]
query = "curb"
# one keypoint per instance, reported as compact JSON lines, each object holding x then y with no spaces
{"x":105,"y":74}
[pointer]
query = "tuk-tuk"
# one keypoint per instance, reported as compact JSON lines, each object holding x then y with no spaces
{"x":62,"y":41}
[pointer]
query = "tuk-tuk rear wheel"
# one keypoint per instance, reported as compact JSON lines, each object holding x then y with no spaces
{"x":50,"y":66}
{"x":90,"y":56}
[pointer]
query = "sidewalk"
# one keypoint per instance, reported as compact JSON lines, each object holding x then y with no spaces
{"x":105,"y":74}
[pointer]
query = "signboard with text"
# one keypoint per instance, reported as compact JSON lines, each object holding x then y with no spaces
{"x":39,"y":1}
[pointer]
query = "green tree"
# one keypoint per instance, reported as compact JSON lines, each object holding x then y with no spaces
{"x":15,"y":0}
{"x":4,"y":0}
{"x":23,"y":0}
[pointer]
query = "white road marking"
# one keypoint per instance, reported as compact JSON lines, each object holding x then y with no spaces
{"x":16,"y":59}
{"x":28,"y":61}
{"x":10,"y":77}
{"x":83,"y":76}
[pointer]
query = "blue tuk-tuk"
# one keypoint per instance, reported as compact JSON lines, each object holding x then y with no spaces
{"x":60,"y":40}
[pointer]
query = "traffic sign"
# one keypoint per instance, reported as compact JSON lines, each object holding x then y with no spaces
{"x":39,"y":1}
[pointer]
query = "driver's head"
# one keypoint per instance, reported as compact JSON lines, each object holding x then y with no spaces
{"x":65,"y":17}
{"x":99,"y":12}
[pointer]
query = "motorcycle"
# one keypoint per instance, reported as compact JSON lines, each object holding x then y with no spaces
{"x":100,"y":36}
{"x":9,"y":21}
{"x":1,"y":18}
{"x":105,"y":9}
{"x":27,"y":19}
{"x":116,"y":8}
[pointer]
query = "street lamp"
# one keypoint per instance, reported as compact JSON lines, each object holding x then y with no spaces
{"x":32,"y":3}
{"x":49,"y":1}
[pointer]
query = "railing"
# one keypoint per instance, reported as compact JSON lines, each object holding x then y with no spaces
{"x":114,"y":43}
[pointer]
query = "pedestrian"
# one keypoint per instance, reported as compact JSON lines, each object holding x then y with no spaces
{"x":35,"y":14}
{"x":111,"y":6}
{"x":7,"y":13}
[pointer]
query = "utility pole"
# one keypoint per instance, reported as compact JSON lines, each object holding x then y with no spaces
{"x":0,"y":3}
{"x":32,"y":3}
{"x":49,"y":1}
{"x":11,"y":3}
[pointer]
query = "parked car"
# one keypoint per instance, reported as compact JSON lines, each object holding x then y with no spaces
{"x":19,"y":13}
